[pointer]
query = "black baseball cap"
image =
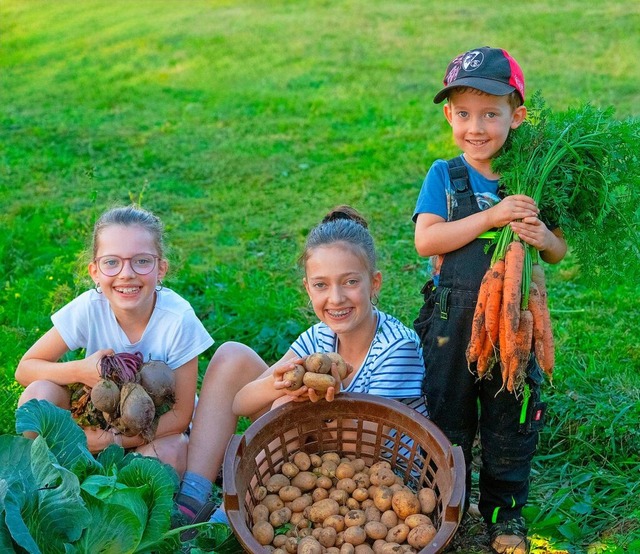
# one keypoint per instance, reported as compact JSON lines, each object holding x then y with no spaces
{"x":491,"y":70}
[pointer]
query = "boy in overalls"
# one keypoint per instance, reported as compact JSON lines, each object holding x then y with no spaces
{"x":458,"y":207}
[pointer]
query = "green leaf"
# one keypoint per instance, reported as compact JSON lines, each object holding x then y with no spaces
{"x":60,"y":515}
{"x":115,"y":528}
{"x":162,"y":482}
{"x":65,"y":439}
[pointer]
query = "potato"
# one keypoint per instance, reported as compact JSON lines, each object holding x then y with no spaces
{"x":383,"y":476}
{"x":263,"y":532}
{"x":331,"y":457}
{"x":363,"y":549}
{"x":273,"y":502}
{"x":362,"y":480}
{"x":405,"y":503}
{"x":289,"y":469}
{"x":428,"y":500}
{"x":305,"y":481}
{"x":376,"y":530}
{"x":289,"y":493}
{"x":260,"y":513}
{"x":298,"y":519}
{"x":355,"y":535}
{"x":345,"y":470}
{"x":294,"y":376}
{"x":318,"y":363}
{"x":320,"y":494}
{"x":327,"y":536}
{"x":372,"y":513}
{"x":316,"y":461}
{"x":328,"y":468}
{"x":347,"y":548}
{"x":335,"y":521}
{"x":352,"y":503}
{"x":382,"y":498}
{"x":300,"y":503}
{"x":346,"y":484}
{"x":355,"y":517}
{"x":279,"y":517}
{"x":341,"y":365}
{"x":421,"y":536}
{"x":321,"y":510}
{"x":398,"y":533}
{"x":389,"y":518}
{"x":302,"y":460}
{"x":318,"y":382}
{"x":260,"y":493}
{"x":276,"y":482}
{"x":309,"y":545}
{"x":279,"y":540}
{"x":340,"y":496}
{"x":417,"y":519}
{"x":324,"y":482}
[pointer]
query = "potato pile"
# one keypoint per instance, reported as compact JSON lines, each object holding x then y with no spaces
{"x":337,"y":505}
{"x":132,"y":393}
{"x":315,"y":373}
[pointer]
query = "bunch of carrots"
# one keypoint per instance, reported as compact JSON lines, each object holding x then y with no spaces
{"x":506,"y":327}
{"x":582,"y":169}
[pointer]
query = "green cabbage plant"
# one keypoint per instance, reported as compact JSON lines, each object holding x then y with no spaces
{"x":55,"y":497}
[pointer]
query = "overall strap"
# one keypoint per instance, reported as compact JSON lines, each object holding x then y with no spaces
{"x":458,"y":174}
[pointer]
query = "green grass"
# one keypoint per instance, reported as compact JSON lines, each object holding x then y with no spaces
{"x":242,"y":123}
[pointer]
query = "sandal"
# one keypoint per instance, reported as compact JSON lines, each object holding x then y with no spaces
{"x":202,"y":516}
{"x":509,"y":537}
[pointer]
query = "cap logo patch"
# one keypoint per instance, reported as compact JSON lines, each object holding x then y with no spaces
{"x":472,"y":60}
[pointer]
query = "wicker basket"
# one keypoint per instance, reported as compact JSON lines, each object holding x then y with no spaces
{"x":417,"y":450}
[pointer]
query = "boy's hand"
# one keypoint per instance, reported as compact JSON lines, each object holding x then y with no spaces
{"x":512,"y":208}
{"x":534,"y":232}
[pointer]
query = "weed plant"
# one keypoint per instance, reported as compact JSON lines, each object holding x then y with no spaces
{"x":242,"y":123}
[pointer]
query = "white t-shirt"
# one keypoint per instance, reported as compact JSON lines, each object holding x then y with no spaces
{"x":173,"y":335}
{"x":393,"y":367}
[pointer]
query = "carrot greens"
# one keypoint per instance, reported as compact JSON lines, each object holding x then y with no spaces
{"x":582,"y":167}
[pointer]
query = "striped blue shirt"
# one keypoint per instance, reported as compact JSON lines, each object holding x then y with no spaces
{"x":393,"y":367}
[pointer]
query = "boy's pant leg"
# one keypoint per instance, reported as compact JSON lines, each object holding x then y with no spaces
{"x":509,"y":437}
{"x":451,"y":394}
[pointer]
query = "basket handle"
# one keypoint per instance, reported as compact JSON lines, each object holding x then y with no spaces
{"x":454,"y":506}
{"x":235,"y":447}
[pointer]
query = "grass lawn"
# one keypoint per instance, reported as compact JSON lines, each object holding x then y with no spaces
{"x":242,"y":123}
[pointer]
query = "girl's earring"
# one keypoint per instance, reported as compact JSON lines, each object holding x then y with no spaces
{"x":159,"y":286}
{"x":98,"y":289}
{"x":374,"y":300}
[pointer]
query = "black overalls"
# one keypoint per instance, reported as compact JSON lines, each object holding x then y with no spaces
{"x":456,"y":400}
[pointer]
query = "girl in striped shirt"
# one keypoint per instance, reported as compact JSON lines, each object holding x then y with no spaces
{"x":383,"y":355}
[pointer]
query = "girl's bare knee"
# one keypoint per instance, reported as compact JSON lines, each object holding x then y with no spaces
{"x":46,"y":390}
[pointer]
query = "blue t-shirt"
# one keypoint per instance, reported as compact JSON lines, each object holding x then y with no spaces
{"x":437,"y":197}
{"x":393,"y":367}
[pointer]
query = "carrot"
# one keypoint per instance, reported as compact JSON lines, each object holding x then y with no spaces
{"x":511,"y":292}
{"x":518,"y":363}
{"x":505,"y":359}
{"x":476,"y":342}
{"x":494,"y":301}
{"x":548,"y":361}
{"x":537,"y":311}
{"x":486,"y":357}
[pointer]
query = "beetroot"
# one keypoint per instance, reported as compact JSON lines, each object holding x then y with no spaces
{"x":159,"y":380}
{"x":105,"y":396}
{"x":137,"y":411}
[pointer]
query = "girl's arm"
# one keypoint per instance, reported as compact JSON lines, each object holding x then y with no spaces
{"x":435,"y":236}
{"x":41,"y":362}
{"x":264,"y":391}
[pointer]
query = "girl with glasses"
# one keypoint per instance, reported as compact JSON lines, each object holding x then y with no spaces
{"x":128,"y":311}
